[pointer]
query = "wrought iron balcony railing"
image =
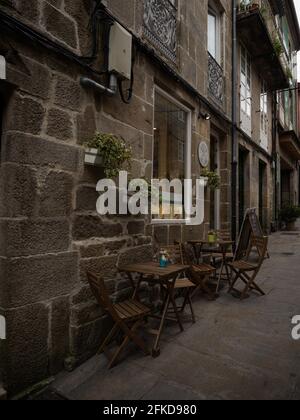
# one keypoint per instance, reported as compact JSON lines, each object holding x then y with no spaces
{"x":215,"y":79}
{"x":275,"y":33}
{"x":160,"y":25}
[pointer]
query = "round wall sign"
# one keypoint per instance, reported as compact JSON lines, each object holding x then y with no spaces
{"x":203,"y":154}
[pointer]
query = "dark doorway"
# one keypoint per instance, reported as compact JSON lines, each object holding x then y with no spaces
{"x":286,"y":196}
{"x":1,"y":122}
{"x":214,"y":195}
{"x":262,"y":192}
{"x":243,"y":155}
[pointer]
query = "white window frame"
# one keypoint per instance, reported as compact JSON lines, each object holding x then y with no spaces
{"x":264,"y":121}
{"x":216,"y":14}
{"x":188,"y":147}
{"x":246,"y":91}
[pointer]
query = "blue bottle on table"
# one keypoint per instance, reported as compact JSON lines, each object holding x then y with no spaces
{"x":163,"y":261}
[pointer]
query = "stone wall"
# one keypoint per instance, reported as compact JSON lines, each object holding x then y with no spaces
{"x":49,"y":229}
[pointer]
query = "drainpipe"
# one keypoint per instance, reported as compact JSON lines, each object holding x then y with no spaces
{"x":111,"y":90}
{"x":274,"y":128}
{"x":234,"y":165}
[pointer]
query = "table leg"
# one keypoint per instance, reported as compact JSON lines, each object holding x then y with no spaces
{"x":221,"y":273}
{"x":156,"y":349}
{"x":171,"y":291}
{"x":135,"y":287}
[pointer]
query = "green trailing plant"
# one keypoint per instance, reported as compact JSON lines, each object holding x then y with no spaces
{"x":278,"y":46}
{"x":264,"y":12}
{"x":113,"y":150}
{"x":243,"y":6}
{"x":289,"y":214}
{"x":289,"y":73}
{"x":214,"y":180}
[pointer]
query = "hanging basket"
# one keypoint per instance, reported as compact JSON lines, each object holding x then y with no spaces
{"x":93,"y":158}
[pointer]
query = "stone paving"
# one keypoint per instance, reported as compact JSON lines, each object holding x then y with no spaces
{"x":237,"y":350}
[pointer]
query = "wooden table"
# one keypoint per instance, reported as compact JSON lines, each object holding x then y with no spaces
{"x":166,"y":277}
{"x":219,"y":247}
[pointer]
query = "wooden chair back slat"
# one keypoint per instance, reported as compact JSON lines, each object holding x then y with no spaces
{"x":175,"y":253}
{"x":261,"y":246}
{"x":101,"y":294}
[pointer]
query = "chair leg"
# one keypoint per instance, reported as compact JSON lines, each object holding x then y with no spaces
{"x":185,"y":302}
{"x":176,"y":312}
{"x":233,"y":283}
{"x":118,"y":352}
{"x":108,"y":338}
{"x":129,"y":335}
{"x":248,"y":285}
{"x":192,"y":308}
{"x":256,"y":287}
{"x":196,"y":290}
{"x":188,"y":301}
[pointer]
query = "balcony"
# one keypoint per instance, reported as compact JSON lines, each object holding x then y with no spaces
{"x":160,"y":26}
{"x":257,"y":30}
{"x":290,"y":144}
{"x":215,"y":80}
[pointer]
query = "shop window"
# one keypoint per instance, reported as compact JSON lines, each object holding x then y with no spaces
{"x":172,"y":144}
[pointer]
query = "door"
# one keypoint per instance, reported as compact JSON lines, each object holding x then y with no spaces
{"x":242,"y":200}
{"x":286,"y":198}
{"x":214,"y":195}
{"x":262,"y":192}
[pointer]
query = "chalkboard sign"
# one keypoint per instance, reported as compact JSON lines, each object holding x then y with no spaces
{"x":251,"y":226}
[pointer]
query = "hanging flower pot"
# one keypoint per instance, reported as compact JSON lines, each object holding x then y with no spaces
{"x":108,"y":151}
{"x":205,"y":180}
{"x":212,"y":238}
{"x":93,"y":158}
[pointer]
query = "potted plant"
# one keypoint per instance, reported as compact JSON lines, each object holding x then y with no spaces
{"x":278,"y":46}
{"x":253,"y":7}
{"x":212,"y":179}
{"x":242,"y":6}
{"x":212,"y":237}
{"x":289,"y":216}
{"x":109,"y":152}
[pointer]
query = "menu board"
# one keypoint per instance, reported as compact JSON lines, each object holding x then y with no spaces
{"x":251,"y":226}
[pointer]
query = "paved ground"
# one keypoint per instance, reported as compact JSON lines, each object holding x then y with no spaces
{"x":237,"y":350}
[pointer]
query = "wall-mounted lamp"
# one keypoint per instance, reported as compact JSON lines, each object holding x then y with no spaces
{"x":205,"y":116}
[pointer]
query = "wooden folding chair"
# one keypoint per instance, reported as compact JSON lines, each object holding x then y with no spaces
{"x":184,"y":284}
{"x":127,"y":317}
{"x":246,"y":270}
{"x":200,"y":273}
{"x":224,"y":235}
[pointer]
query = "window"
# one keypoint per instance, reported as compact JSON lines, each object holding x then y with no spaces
{"x":214,"y":33}
{"x":246,"y":96}
{"x":1,"y":122}
{"x":172,"y":143}
{"x":264,"y":116}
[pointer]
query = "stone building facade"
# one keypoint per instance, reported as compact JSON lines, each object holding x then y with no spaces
{"x":268,"y":41}
{"x":50,"y":232}
{"x":49,"y":229}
